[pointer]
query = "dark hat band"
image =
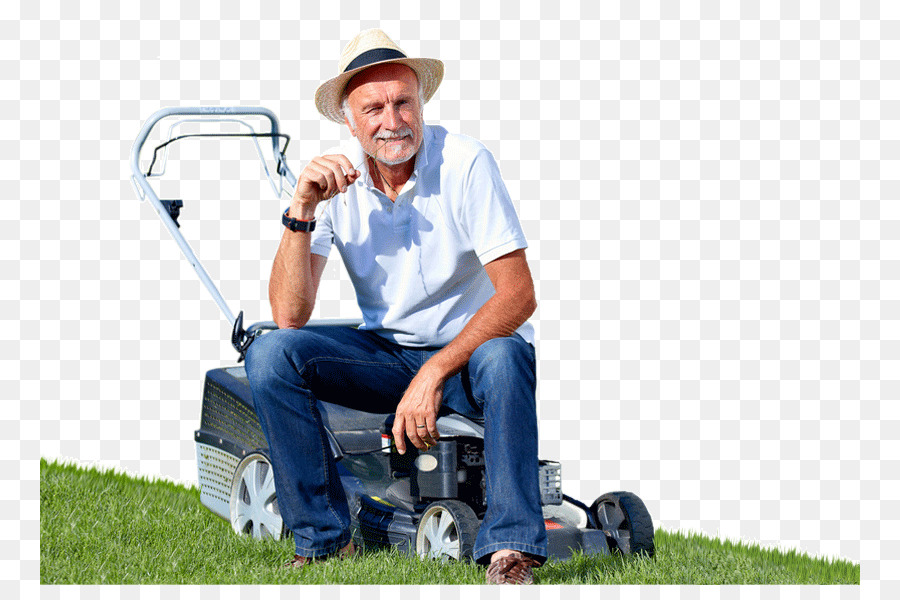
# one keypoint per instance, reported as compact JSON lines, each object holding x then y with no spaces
{"x":373,"y":56}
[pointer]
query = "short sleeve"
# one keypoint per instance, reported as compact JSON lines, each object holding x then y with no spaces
{"x":322,"y":235}
{"x":488,"y":215}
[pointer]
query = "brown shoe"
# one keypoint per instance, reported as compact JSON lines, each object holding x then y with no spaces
{"x":301,"y":561}
{"x":514,"y":569}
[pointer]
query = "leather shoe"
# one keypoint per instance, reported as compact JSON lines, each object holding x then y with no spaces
{"x":301,"y":561}
{"x":513,"y":569}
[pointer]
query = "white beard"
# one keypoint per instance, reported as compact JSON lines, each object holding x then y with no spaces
{"x":388,"y":135}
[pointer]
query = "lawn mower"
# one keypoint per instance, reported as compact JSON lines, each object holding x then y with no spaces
{"x":426,"y":503}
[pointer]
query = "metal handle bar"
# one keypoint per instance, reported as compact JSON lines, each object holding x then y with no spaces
{"x":279,"y":154}
{"x":195,"y":111}
{"x":144,"y":189}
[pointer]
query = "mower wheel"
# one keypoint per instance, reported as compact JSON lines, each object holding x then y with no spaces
{"x":254,"y":507}
{"x":447,"y":531}
{"x":625,"y":520}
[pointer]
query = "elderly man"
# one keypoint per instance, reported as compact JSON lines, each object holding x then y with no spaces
{"x":432,"y":244}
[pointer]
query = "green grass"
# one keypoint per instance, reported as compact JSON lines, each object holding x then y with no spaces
{"x":105,"y":527}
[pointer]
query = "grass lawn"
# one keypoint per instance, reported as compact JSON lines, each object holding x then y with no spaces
{"x":103,"y":527}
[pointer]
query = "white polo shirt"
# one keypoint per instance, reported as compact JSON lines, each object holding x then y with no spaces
{"x":417,"y":264}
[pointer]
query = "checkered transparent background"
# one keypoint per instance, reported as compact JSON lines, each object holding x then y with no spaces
{"x":706,"y":193}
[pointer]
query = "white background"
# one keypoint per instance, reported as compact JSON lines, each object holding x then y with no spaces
{"x":709,"y":194}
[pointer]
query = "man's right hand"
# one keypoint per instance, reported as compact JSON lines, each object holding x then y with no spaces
{"x":320,"y":180}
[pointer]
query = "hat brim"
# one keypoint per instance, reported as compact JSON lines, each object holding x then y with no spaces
{"x":430,"y":72}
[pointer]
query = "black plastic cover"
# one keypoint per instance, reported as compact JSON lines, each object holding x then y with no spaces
{"x":383,"y":525}
{"x":440,"y":482}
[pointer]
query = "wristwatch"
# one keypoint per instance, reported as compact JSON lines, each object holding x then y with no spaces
{"x":297,"y":224}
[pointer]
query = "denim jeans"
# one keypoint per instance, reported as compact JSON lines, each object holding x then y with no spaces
{"x":290,"y":369}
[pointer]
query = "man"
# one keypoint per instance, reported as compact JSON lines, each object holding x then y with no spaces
{"x":431,"y":242}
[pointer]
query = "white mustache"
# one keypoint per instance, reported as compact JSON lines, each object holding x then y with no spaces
{"x":387,"y":134}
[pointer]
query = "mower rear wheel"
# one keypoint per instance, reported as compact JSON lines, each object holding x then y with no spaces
{"x":254,"y":507}
{"x":447,"y":531}
{"x":625,"y":520}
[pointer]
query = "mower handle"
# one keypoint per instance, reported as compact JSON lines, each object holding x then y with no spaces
{"x":203,"y":111}
{"x":143,"y":189}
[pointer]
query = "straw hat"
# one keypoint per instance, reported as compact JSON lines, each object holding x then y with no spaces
{"x":373,"y":47}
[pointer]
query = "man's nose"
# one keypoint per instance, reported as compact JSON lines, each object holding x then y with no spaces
{"x":392,"y":118}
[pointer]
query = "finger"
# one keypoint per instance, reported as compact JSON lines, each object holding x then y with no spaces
{"x":313,"y":183}
{"x":431,"y":428}
{"x":330,"y":178}
{"x":432,"y":415}
{"x":423,"y":429}
{"x":341,"y":168}
{"x":341,"y":171}
{"x":399,"y":433}
{"x":425,"y":435}
{"x":429,"y":437}
{"x":412,"y":432}
{"x":347,"y":167}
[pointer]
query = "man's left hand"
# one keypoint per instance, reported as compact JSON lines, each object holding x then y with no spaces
{"x":416,"y":416}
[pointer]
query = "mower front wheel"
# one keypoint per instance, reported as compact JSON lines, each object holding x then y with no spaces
{"x":625,"y":520}
{"x":447,"y":531}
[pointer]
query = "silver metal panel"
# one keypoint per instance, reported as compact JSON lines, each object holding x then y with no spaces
{"x":215,"y":471}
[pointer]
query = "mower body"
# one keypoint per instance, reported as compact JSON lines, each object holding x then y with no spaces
{"x":387,"y":492}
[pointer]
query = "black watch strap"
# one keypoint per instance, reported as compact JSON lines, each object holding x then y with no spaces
{"x":296,"y":224}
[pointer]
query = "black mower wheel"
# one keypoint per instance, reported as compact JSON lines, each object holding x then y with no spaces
{"x":625,"y":520}
{"x":447,"y":531}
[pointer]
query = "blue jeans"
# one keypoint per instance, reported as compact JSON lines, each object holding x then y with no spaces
{"x":290,"y":369}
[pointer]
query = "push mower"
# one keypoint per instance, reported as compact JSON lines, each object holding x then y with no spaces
{"x":427,"y":503}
